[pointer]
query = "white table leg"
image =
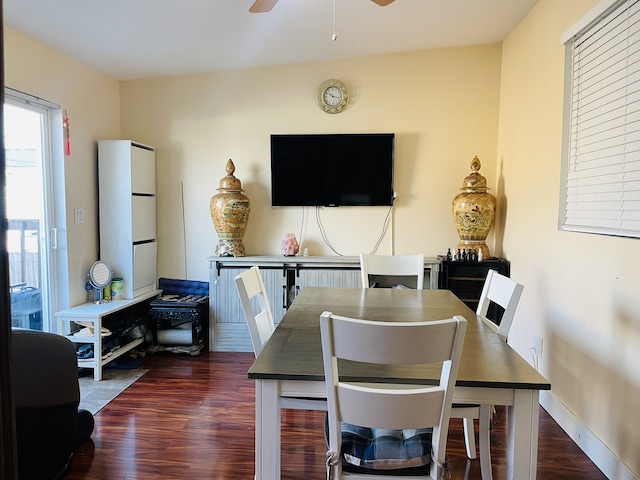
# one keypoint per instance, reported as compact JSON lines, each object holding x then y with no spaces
{"x":267,"y":430}
{"x":522,"y":446}
{"x":97,"y":350}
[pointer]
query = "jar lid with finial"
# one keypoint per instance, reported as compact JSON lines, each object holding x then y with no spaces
{"x":230,"y":183}
{"x":475,"y":182}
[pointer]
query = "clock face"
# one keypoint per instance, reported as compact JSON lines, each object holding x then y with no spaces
{"x":333,"y":96}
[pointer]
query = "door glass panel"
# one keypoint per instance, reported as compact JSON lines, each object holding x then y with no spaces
{"x":23,"y":140}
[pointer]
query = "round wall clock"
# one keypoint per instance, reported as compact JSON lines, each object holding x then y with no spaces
{"x":332,"y":96}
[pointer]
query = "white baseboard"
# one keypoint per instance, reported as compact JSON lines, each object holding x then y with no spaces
{"x":598,"y":452}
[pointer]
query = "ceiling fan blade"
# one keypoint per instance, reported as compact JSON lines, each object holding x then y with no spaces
{"x":262,"y":6}
{"x":383,"y":3}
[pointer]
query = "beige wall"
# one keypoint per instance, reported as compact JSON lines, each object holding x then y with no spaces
{"x":93,"y":106}
{"x":441,"y":104}
{"x":581,"y":291}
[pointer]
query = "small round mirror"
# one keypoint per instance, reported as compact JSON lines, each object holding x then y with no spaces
{"x":100,"y":277}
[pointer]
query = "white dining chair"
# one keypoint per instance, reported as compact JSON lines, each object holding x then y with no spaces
{"x":257,"y":312}
{"x":390,"y":428}
{"x":506,"y":293}
{"x":392,"y":265}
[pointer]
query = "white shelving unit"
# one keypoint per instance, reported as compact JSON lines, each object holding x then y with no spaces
{"x":127,"y":190}
{"x":95,"y":313}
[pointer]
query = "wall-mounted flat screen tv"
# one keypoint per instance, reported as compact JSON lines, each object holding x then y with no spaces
{"x":347,"y":169}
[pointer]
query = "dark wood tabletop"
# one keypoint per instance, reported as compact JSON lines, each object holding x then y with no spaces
{"x":294,"y":351}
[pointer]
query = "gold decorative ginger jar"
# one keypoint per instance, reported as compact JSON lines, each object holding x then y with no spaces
{"x":230,"y":213}
{"x":474,"y":211}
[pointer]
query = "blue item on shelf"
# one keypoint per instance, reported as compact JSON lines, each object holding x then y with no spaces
{"x":172,"y":285}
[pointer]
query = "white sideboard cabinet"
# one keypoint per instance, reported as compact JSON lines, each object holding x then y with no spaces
{"x":127,"y":192}
{"x":283,"y":278}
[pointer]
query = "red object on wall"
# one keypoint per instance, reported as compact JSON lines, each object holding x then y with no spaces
{"x":65,"y":127}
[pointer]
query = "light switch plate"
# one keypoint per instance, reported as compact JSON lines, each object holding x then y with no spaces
{"x":78,"y":215}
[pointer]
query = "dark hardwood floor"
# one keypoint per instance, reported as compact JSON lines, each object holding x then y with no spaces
{"x":193,"y":418}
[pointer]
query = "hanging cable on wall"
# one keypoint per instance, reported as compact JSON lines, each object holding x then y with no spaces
{"x":301,"y":241}
{"x":385,"y":226}
{"x":323,"y":233}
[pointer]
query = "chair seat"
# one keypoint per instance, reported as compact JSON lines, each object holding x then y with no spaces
{"x":382,"y":449}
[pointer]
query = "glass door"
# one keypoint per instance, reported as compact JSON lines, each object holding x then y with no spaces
{"x":27,"y":152}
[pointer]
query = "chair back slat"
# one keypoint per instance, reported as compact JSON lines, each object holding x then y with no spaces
{"x":375,"y":408}
{"x":385,"y":343}
{"x":392,"y":265}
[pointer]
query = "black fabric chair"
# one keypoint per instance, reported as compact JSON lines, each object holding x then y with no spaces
{"x":49,"y":426}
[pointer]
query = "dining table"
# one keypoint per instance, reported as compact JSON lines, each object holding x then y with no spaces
{"x":490,"y":371}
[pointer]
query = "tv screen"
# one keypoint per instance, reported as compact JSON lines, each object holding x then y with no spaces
{"x":332,"y":169}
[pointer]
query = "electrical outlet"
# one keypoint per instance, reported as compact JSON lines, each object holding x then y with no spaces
{"x":537,"y":345}
{"x":78,"y":215}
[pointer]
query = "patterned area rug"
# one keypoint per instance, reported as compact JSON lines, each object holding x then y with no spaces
{"x":95,"y":395}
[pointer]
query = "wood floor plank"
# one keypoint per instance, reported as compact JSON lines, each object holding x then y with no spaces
{"x":192,"y":418}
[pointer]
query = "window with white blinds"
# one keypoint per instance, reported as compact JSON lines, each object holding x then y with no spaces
{"x":601,"y":148}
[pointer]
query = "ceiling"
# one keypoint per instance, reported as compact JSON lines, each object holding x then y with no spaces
{"x":132,"y":39}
